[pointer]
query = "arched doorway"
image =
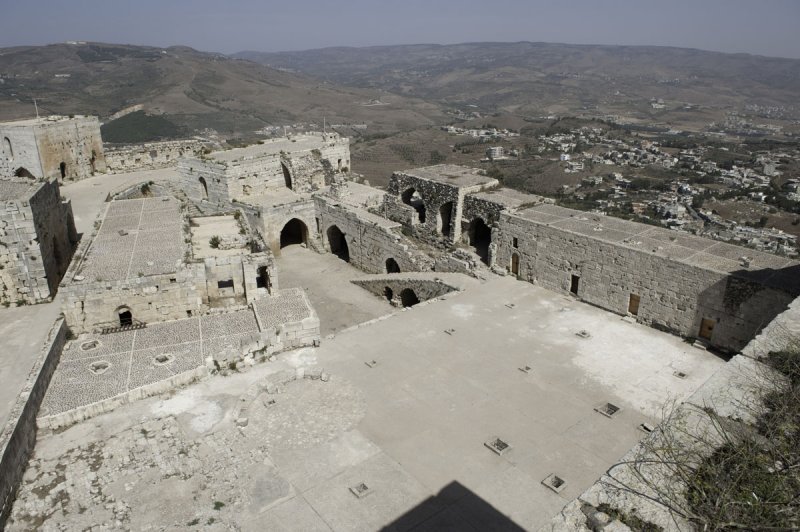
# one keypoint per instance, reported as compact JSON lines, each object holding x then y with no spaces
{"x":294,"y":232}
{"x":23,"y":172}
{"x":338,"y":243}
{"x":408,"y":298}
{"x":124,"y":316}
{"x":287,"y":177}
{"x":480,"y":236}
{"x":63,"y":168}
{"x":205,"y":187}
{"x":515,"y":264}
{"x":388,"y":294}
{"x":412,"y":198}
{"x":445,"y":218}
{"x":392,"y":266}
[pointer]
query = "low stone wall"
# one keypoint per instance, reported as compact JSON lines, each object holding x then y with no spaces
{"x":106,"y":405}
{"x":18,"y":437}
{"x":149,"y":156}
{"x":391,"y":286}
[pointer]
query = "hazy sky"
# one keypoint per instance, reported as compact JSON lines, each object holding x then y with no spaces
{"x":766,"y":27}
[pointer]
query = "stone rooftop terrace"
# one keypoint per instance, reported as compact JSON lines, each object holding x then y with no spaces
{"x":453,"y":175}
{"x":137,"y":237}
{"x":11,"y":190}
{"x":270,"y":147}
{"x":678,"y":246}
{"x":510,"y":198}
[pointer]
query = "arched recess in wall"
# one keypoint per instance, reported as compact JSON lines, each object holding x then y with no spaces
{"x":388,"y":294}
{"x":287,"y":176}
{"x":480,"y":236}
{"x":408,"y":298}
{"x":8,"y":152}
{"x":294,"y":232}
{"x":63,"y":169}
{"x":124,"y":316}
{"x":445,"y":218}
{"x":338,"y":243}
{"x":392,"y":266}
{"x":205,"y":187}
{"x":412,"y":198}
{"x":23,"y":172}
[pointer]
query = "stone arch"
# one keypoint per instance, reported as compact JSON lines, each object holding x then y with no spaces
{"x":124,"y":316}
{"x":412,"y":198}
{"x":392,"y":266}
{"x":7,"y":149}
{"x":408,"y":298}
{"x":338,"y":243}
{"x":287,"y":176}
{"x":445,"y":220}
{"x":294,"y":232}
{"x":63,"y":169}
{"x":480,"y":236}
{"x":23,"y":172}
{"x":205,"y":187}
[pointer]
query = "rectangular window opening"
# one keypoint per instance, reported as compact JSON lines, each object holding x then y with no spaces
{"x":225,"y":284}
{"x":574,"y":283}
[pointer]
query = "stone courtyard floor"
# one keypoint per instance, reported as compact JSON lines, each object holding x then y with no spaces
{"x":406,"y":410}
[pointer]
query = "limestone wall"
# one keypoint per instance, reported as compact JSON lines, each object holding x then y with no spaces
{"x":203,"y":179}
{"x":37,"y":240}
{"x":673,"y":296}
{"x":371,"y":239}
{"x":89,"y":305}
{"x":18,"y":149}
{"x":150,"y":156}
{"x":274,"y":218}
{"x":18,"y":437}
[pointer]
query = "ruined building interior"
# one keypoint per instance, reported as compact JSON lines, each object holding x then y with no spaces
{"x":255,"y":337}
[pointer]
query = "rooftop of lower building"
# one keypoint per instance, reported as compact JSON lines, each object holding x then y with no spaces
{"x":452,"y":175}
{"x":294,"y":144}
{"x":16,"y":189}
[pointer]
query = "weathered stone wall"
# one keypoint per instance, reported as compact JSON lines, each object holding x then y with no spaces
{"x":274,"y":219}
{"x":150,"y":156}
{"x":41,"y":146}
{"x":674,"y":296}
{"x":371,"y":239}
{"x":243,"y":272}
{"x":37,"y":240}
{"x":18,"y":437}
{"x":90,"y":305}
{"x":391,"y":286}
{"x":256,"y":175}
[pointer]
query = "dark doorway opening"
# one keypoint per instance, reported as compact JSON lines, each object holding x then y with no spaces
{"x":515,"y":264}
{"x":706,"y":328}
{"x":263,"y":281}
{"x":338,"y":243}
{"x":408,"y":298}
{"x":125,"y":317}
{"x":63,"y":168}
{"x":205,"y":187}
{"x":388,"y":294}
{"x":480,"y":236}
{"x":287,"y":177}
{"x":23,"y":172}
{"x":574,"y":283}
{"x":412,"y":198}
{"x":92,"y":161}
{"x":445,"y":218}
{"x":294,"y":232}
{"x":392,"y":266}
{"x":633,"y":304}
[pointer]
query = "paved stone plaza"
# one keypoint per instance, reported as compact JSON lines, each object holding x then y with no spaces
{"x":404,"y":407}
{"x":99,"y":367}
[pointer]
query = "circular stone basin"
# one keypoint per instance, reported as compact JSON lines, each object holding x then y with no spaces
{"x":91,"y":344}
{"x":99,"y":367}
{"x":162,"y":359}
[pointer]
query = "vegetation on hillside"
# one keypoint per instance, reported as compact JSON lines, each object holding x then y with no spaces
{"x":140,"y":127}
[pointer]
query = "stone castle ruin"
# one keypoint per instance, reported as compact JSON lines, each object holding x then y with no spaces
{"x":37,"y":240}
{"x":58,"y":147}
{"x":179,"y":280}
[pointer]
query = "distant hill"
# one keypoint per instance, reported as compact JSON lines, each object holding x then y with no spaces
{"x":531,"y":78}
{"x":192,"y":90}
